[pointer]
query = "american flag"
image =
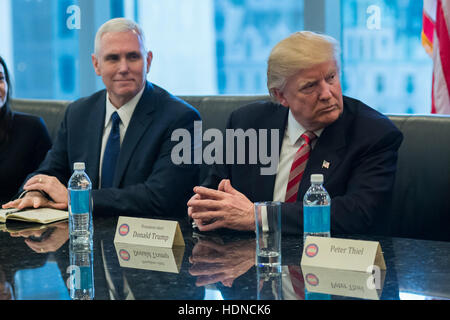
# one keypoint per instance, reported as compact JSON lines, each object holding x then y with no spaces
{"x":436,"y":40}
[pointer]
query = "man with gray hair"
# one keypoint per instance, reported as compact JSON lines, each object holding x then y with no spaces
{"x":123,"y":134}
{"x":321,"y":132}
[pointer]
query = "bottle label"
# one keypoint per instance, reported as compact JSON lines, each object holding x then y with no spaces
{"x":316,"y":219}
{"x":79,"y":201}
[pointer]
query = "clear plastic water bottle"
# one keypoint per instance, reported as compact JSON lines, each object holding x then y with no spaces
{"x":80,"y":209}
{"x":81,"y":280}
{"x":316,"y":209}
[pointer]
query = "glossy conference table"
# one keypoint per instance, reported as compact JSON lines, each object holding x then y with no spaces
{"x":37,"y":265}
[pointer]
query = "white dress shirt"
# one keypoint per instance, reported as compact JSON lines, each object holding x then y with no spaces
{"x":125,"y":113}
{"x":292,"y":141}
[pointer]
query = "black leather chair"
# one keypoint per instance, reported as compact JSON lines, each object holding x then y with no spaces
{"x":51,"y":111}
{"x":421,"y":198}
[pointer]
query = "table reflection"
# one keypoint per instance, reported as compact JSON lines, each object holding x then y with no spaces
{"x":150,"y":258}
{"x":39,"y":238}
{"x":48,"y":238}
{"x":269,"y":281}
{"x":81,"y":270}
{"x":325,"y":281}
{"x":38,"y":263}
{"x":218,"y":262}
{"x":6,"y":290}
{"x":214,"y":261}
{"x":41,"y":275}
{"x":228,"y":267}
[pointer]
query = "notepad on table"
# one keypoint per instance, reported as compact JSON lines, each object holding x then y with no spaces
{"x":41,"y":215}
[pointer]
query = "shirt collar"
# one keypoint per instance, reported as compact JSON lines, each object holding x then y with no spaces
{"x":125,"y":112}
{"x":295,"y":129}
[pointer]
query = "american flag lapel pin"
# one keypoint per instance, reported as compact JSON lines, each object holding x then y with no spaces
{"x":325,"y":164}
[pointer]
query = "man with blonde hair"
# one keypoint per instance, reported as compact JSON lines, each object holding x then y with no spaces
{"x":321,"y":132}
{"x":123,"y":134}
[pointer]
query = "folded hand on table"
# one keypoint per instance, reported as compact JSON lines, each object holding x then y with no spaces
{"x":222,"y":208}
{"x":35,"y":198}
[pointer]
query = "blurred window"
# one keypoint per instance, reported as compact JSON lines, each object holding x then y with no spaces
{"x":389,"y":55}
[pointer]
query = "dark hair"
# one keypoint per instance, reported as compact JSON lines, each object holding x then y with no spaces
{"x":5,"y":111}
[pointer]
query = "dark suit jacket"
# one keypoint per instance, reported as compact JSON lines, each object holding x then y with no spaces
{"x":146,"y":182}
{"x":27,"y":146}
{"x":361,"y":147}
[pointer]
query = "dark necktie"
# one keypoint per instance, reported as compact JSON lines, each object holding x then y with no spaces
{"x":111,"y":154}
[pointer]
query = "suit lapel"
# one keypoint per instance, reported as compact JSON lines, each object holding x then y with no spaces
{"x":264,"y":184}
{"x":140,"y":121}
{"x":327,"y":153}
{"x":94,"y":127}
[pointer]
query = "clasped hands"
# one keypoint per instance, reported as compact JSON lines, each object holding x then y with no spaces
{"x":222,"y":208}
{"x":35,"y":199}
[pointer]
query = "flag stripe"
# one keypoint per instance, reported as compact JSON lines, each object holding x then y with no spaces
{"x":433,"y":104}
{"x":444,"y":42}
{"x":436,"y":14}
{"x":440,"y":91}
{"x":442,"y":62}
{"x":428,"y":27}
{"x":429,"y":7}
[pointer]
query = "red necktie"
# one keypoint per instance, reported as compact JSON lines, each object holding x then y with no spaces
{"x":298,"y":166}
{"x":298,"y":282}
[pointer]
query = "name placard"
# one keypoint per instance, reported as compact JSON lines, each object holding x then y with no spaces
{"x":150,"y":258}
{"x":148,"y":232}
{"x":344,"y":283}
{"x":342,"y":254}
